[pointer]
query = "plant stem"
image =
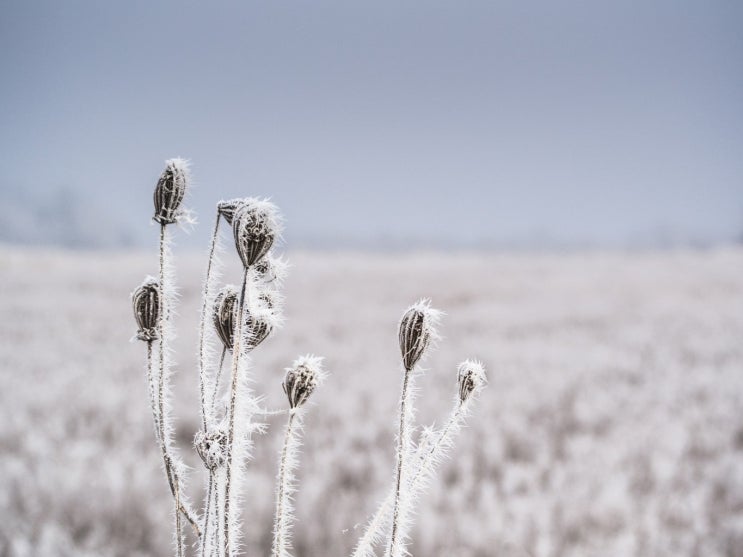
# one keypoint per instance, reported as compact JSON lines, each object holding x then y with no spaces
{"x":202,"y":324}
{"x":282,"y":520}
{"x":172,"y":475}
{"x":207,"y":513}
{"x":402,"y":448}
{"x":236,"y":353}
{"x":366,"y":543}
{"x":217,"y":378}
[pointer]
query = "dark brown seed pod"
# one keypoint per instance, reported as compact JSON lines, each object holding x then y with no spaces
{"x":146,"y":304}
{"x":301,"y":379}
{"x":211,"y":447}
{"x":255,"y":227}
{"x":224,"y":315}
{"x":259,"y":325}
{"x":417,"y":329}
{"x":170,"y":191}
{"x":227,"y":208}
{"x":470,"y":378}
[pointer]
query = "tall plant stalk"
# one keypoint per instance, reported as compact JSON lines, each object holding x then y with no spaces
{"x":236,"y":356}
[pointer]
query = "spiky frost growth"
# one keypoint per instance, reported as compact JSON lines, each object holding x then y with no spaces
{"x":224,"y":315}
{"x":170,"y":191}
{"x":433,"y":448}
{"x":146,"y":305}
{"x":417,"y":331}
{"x":301,"y":379}
{"x":256,"y":225}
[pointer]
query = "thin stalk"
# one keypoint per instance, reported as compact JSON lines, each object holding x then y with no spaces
{"x":217,"y":378}
{"x":402,"y":448}
{"x":151,"y":389}
{"x":236,"y":352}
{"x":365,"y":546}
{"x":283,"y":510}
{"x":202,"y":323}
{"x":207,"y":513}
{"x":172,"y":475}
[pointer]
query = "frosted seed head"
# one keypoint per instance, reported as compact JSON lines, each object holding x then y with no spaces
{"x":224,"y":315}
{"x":146,"y":304}
{"x":260,"y":324}
{"x":255,"y":225}
{"x":417,"y":331}
{"x":227,"y":208}
{"x":211,"y":446}
{"x":301,"y":379}
{"x":272,"y":270}
{"x":471,"y":378}
{"x":170,"y":191}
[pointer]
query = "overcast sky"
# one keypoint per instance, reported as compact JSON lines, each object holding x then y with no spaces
{"x":436,"y":124}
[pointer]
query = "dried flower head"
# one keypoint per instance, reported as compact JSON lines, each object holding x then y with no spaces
{"x":170,"y":191}
{"x":228,"y":208}
{"x":417,"y":331}
{"x":302,"y":378}
{"x":471,"y":378}
{"x":224,"y":315}
{"x":272,"y":269}
{"x":211,"y":447}
{"x":255,"y":225}
{"x":146,"y":304}
{"x":259,"y":323}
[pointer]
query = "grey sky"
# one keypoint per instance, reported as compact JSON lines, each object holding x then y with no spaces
{"x":380,"y":123}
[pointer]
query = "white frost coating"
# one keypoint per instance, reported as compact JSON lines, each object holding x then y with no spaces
{"x":433,"y":448}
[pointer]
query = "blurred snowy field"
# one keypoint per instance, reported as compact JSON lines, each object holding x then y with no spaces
{"x":612,"y":425}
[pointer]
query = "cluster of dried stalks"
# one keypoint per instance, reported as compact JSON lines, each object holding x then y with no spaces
{"x":238,"y":320}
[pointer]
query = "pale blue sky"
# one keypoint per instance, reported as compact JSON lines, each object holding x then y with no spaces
{"x":435,"y":124}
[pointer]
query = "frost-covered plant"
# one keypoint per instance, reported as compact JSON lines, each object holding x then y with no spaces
{"x":237,"y":320}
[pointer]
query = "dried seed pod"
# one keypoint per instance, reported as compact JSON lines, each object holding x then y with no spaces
{"x":170,"y":191}
{"x":302,"y":378}
{"x":211,"y":447}
{"x":272,"y":269}
{"x":255,"y":225}
{"x":259,"y":324}
{"x":228,"y":208}
{"x":224,"y":315}
{"x":471,"y":378}
{"x":146,"y":304}
{"x":416,"y":332}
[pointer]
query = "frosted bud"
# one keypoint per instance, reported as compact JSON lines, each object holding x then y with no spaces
{"x":146,"y":304}
{"x":259,"y":324}
{"x":224,"y":315}
{"x":272,"y":269}
{"x":255,"y":225}
{"x":302,"y":378}
{"x":417,"y":331}
{"x":211,"y":447}
{"x":471,"y":378}
{"x":227,"y":208}
{"x":170,"y":191}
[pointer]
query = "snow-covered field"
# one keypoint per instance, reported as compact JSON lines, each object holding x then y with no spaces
{"x":612,"y":425}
